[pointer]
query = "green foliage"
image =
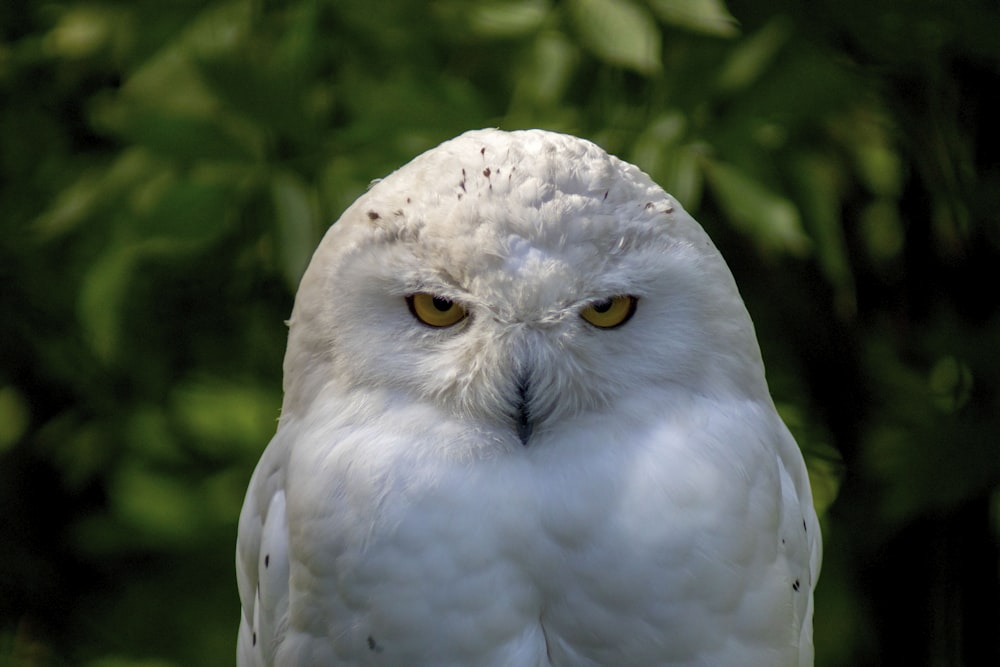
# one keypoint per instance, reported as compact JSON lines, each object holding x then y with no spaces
{"x":618,"y":32}
{"x":167,"y":168}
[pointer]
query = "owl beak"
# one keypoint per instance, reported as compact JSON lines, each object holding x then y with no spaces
{"x":523,"y":418}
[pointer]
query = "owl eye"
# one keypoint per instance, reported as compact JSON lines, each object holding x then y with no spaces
{"x":435,"y":311}
{"x":611,"y":312}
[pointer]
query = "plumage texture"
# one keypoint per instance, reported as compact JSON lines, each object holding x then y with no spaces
{"x":522,"y":487}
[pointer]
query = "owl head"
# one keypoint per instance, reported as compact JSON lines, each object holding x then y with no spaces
{"x":513,"y":281}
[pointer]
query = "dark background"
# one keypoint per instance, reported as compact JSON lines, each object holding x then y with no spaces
{"x":166,"y":169}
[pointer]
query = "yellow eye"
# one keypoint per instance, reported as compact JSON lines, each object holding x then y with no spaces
{"x":435,"y":311}
{"x":611,"y":312}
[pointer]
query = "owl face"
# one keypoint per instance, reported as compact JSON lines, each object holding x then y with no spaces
{"x":516,"y":280}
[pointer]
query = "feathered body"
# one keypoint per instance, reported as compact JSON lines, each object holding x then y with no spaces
{"x":523,"y":488}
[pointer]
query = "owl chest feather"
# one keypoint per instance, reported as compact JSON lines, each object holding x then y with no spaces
{"x":586,"y":548}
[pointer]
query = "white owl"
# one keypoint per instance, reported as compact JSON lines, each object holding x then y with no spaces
{"x":525,"y":423}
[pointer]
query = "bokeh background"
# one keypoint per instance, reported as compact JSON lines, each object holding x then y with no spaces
{"x":166,"y":169}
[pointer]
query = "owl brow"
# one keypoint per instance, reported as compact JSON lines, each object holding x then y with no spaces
{"x":449,"y":279}
{"x":443,"y":284}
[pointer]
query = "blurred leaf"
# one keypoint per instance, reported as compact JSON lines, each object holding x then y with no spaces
{"x":150,"y":436}
{"x":95,"y":191}
{"x":619,"y":32}
{"x":167,"y":83}
{"x":187,"y":138}
{"x":771,"y":220}
{"x":823,"y":462}
{"x":816,"y":178}
{"x":189,"y":213}
{"x":657,"y":142}
{"x":14,"y":416}
{"x":950,"y":384}
{"x":747,"y":62}
{"x":164,"y":104}
{"x":223,"y":492}
{"x":706,"y":16}
{"x":72,"y":205}
{"x":297,"y":223}
{"x":270,"y":95}
{"x":664,"y":152}
{"x":507,"y":18}
{"x":553,"y":58}
{"x":85,"y":30}
{"x":100,"y":302}
{"x":162,"y":509}
{"x":298,"y":44}
{"x":218,"y":28}
{"x":879,"y":167}
{"x":682,"y":172}
{"x":221,"y":415}
{"x":882,"y":230}
{"x":825,"y":476}
{"x":82,"y":449}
